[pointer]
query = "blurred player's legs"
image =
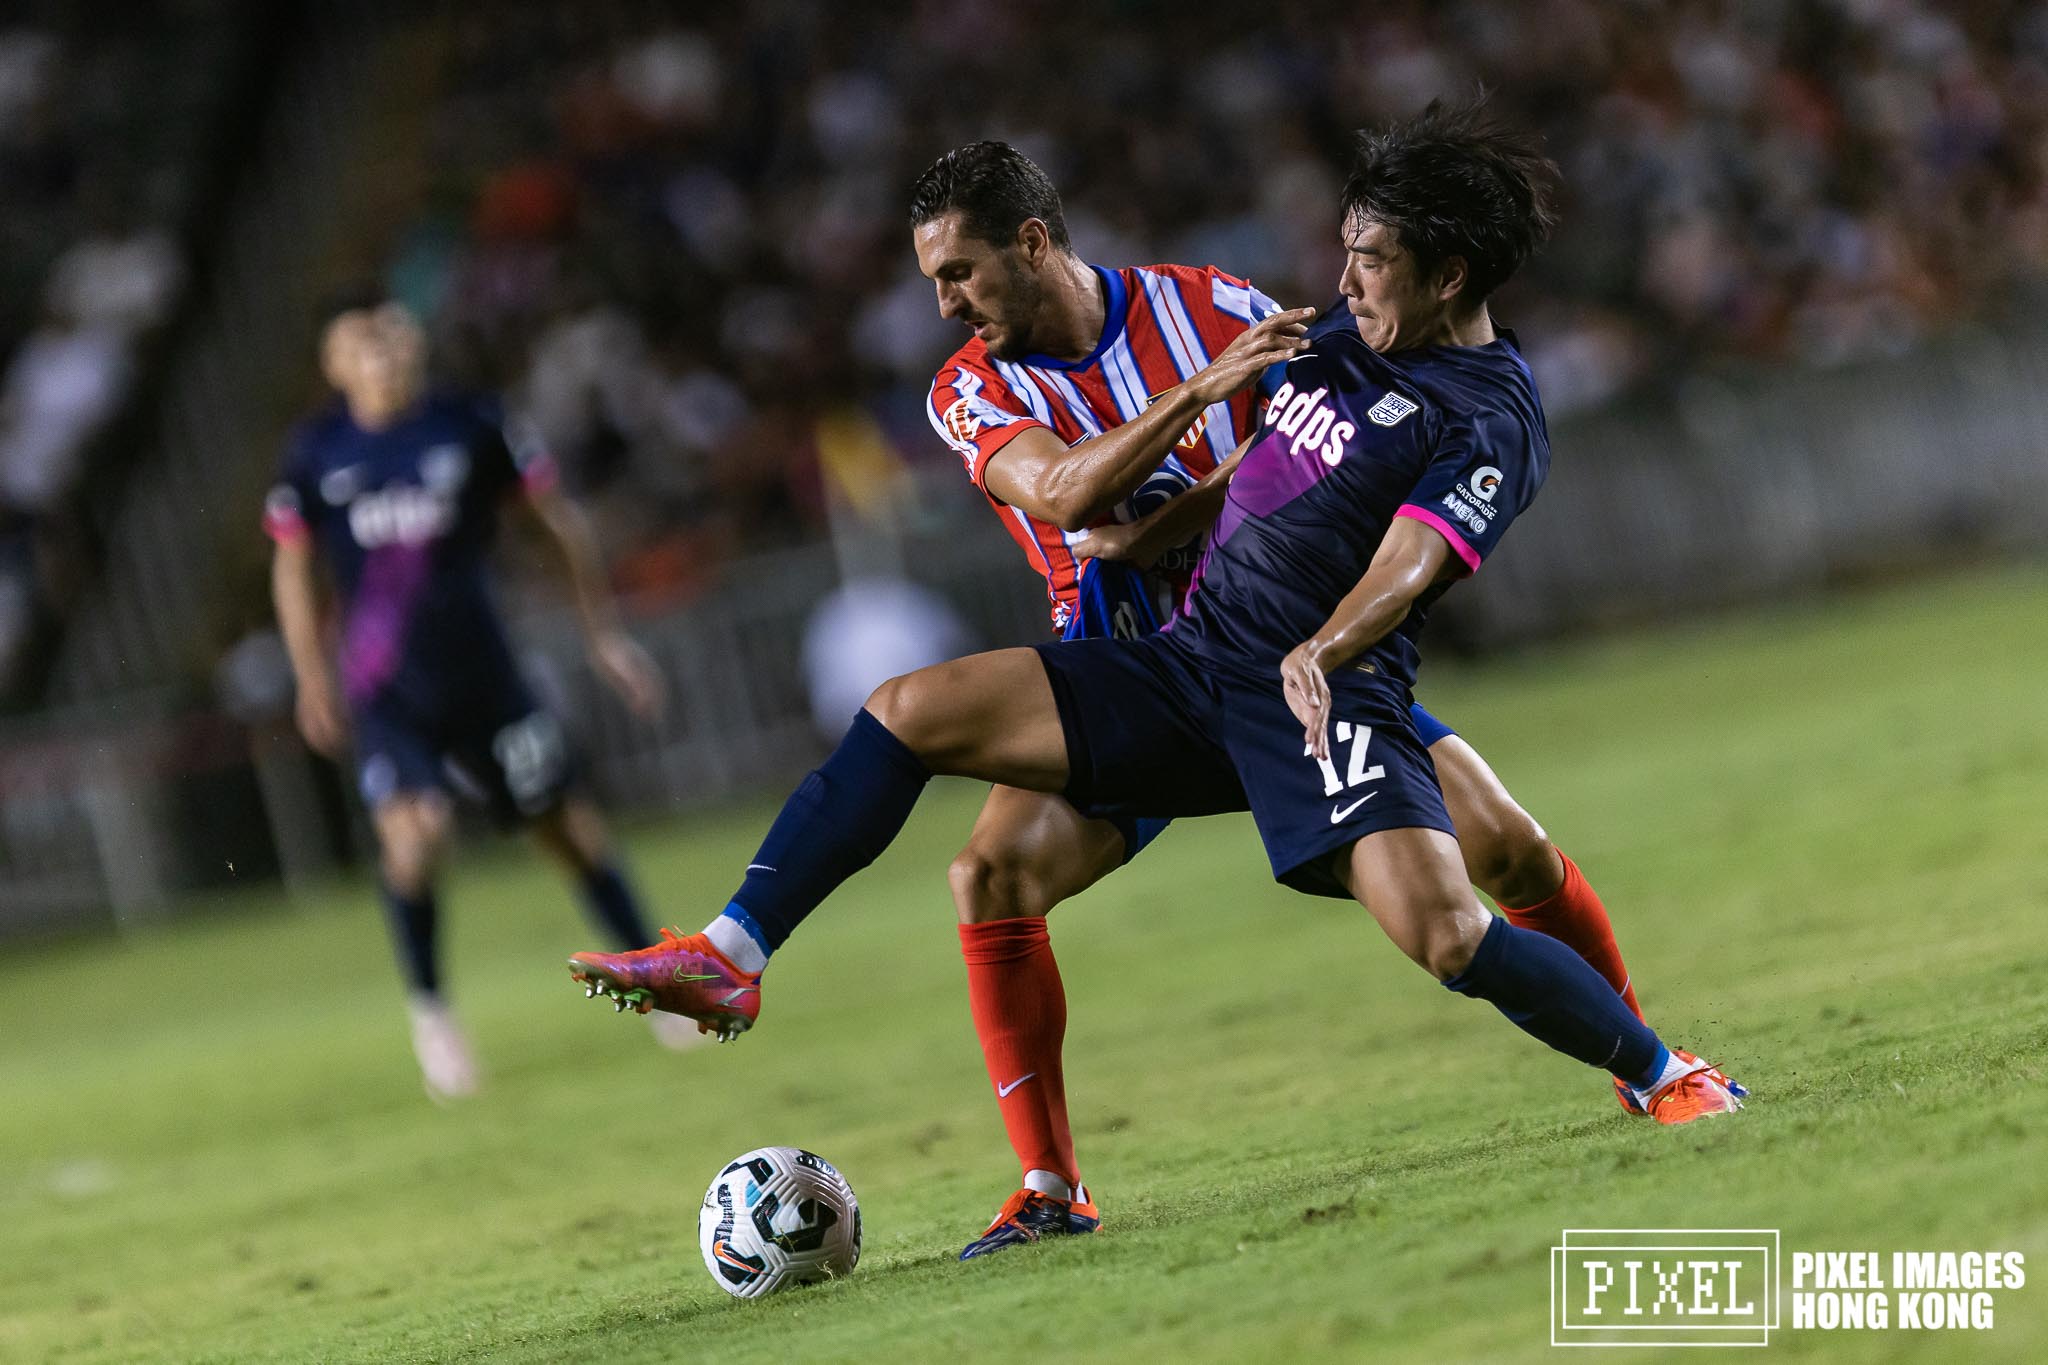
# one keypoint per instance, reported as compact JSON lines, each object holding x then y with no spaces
{"x":517,"y":762}
{"x":412,"y":834}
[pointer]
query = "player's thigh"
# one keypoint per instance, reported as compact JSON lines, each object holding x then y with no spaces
{"x":990,"y":716}
{"x":1412,"y":881}
{"x":1507,"y":854}
{"x":1030,"y":851}
{"x":1376,"y":776}
{"x":1142,"y":730}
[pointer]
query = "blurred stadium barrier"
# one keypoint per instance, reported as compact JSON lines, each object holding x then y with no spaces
{"x":114,"y":812}
{"x":1754,"y":484}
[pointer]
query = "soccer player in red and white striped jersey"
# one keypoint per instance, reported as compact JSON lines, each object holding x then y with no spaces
{"x":1161,"y":326}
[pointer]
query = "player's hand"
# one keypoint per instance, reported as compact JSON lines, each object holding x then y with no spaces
{"x":628,"y":671}
{"x":1119,"y":544}
{"x":1280,"y":337}
{"x":322,"y":719}
{"x":1307,"y":689}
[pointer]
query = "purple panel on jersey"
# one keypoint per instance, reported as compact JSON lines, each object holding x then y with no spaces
{"x":392,"y":579}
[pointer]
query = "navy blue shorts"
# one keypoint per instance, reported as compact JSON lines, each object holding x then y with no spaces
{"x":495,"y":747}
{"x":1155,"y":730}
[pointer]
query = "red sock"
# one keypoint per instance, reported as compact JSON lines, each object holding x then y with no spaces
{"x":1576,"y":918}
{"x":1020,"y":1014}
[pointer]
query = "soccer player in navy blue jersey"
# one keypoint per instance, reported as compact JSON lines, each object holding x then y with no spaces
{"x":1391,"y":460}
{"x":398,"y":489}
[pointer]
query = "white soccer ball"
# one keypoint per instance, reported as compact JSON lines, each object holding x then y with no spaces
{"x":775,"y":1217}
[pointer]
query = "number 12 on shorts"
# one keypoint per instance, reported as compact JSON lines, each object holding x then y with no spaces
{"x":1358,"y":737}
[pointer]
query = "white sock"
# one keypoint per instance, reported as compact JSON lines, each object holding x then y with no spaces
{"x":1048,"y":1184}
{"x":1674,"y":1067}
{"x":730,"y":937}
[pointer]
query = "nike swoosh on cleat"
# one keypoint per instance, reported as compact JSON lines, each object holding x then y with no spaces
{"x":1337,"y":816}
{"x":682,"y":976}
{"x":759,"y":867}
{"x":1003,"y":1091}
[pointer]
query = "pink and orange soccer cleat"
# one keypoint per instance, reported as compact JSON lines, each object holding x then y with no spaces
{"x":1700,"y":1093}
{"x":681,"y":974}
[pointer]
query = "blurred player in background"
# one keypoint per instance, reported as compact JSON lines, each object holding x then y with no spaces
{"x":398,"y":489}
{"x":1085,"y":395}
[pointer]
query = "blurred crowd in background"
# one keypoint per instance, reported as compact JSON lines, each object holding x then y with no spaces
{"x":103,"y":131}
{"x":675,"y":234}
{"x":684,"y":244}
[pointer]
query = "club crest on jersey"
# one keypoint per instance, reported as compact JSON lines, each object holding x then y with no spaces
{"x":1390,"y":410}
{"x":965,"y":418}
{"x":1193,"y":439}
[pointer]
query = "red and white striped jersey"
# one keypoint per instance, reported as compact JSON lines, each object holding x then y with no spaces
{"x":1163,"y":323}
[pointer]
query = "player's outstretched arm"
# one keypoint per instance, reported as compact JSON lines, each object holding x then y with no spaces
{"x":1075,"y":486}
{"x":1167,"y":527}
{"x":620,"y":661}
{"x":295,"y":593}
{"x":1411,"y":559}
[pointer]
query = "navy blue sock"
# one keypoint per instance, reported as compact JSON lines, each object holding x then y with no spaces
{"x":611,"y":903}
{"x":1549,"y":992}
{"x":836,"y":823}
{"x":413,"y":920}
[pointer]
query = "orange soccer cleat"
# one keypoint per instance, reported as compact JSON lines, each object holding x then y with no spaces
{"x":1701,"y":1092}
{"x":681,"y":974}
{"x":1030,"y":1216}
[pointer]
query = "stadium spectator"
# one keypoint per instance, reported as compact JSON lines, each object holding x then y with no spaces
{"x":1823,"y":181}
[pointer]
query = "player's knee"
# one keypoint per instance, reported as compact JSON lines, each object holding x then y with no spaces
{"x":1451,"y":941}
{"x":990,"y":885}
{"x":406,"y":865}
{"x":410,"y":839}
{"x":1510,"y":858}
{"x":896,"y":704}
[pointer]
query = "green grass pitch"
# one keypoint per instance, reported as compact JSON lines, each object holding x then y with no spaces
{"x":1822,"y":831}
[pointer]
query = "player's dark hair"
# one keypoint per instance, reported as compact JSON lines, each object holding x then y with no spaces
{"x":1451,"y":181}
{"x":359,"y":296}
{"x":995,"y":187}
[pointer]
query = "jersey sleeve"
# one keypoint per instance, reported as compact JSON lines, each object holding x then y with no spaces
{"x":285,"y":506}
{"x":1482,"y":473}
{"x":977,"y":413}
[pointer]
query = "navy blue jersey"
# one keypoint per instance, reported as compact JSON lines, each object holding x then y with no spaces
{"x":1452,"y":436}
{"x":404,"y":517}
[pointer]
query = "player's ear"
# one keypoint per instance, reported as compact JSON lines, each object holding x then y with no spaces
{"x":1451,"y":277}
{"x":1033,"y":240}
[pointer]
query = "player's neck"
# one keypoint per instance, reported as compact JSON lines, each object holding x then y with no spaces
{"x":1076,"y":310}
{"x":1473,"y":329}
{"x":373,"y":416}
